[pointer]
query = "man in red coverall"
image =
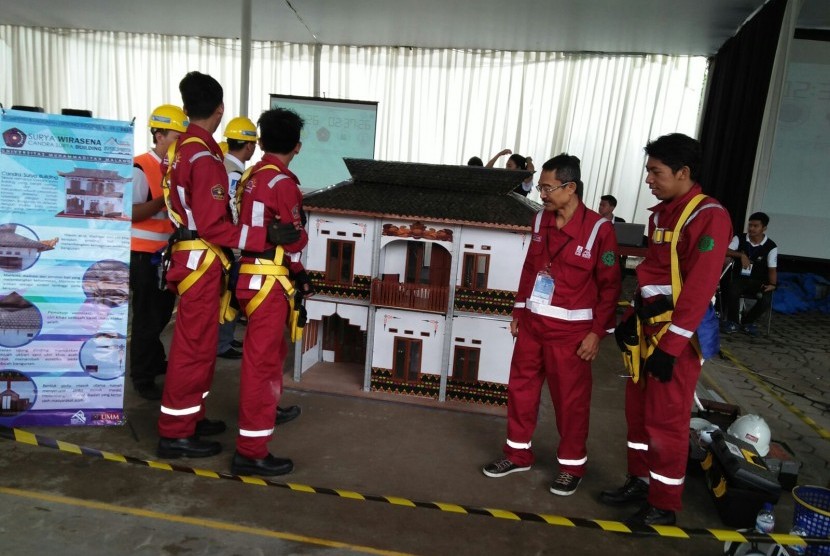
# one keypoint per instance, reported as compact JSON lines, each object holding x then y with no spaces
{"x":270,"y":194}
{"x":565,"y":304}
{"x":659,"y":405}
{"x":198,"y":204}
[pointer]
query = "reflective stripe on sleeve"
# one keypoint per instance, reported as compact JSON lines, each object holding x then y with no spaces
{"x":180,"y":412}
{"x":667,"y":480}
{"x":519,"y":445}
{"x":637,"y":446}
{"x":256,"y":434}
{"x":258,"y":214}
{"x":243,"y":236}
{"x":681,"y":331}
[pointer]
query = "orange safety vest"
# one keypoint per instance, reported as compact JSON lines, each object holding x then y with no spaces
{"x":151,"y":234}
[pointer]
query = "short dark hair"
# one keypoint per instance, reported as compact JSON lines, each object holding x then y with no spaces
{"x":475,"y":161}
{"x":761,"y":217}
{"x":610,"y":198}
{"x":201,"y":95}
{"x":676,"y":150}
{"x":567,"y":169}
{"x":236,"y":144}
{"x":521,"y":162}
{"x":164,"y":132}
{"x":279,"y":130}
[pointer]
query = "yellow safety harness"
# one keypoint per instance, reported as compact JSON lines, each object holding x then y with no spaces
{"x":273,"y":270}
{"x":638,"y":353}
{"x":212,"y":252}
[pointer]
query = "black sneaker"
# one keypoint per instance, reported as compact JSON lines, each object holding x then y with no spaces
{"x":565,"y":484}
{"x":502,"y":467}
{"x":634,"y":491}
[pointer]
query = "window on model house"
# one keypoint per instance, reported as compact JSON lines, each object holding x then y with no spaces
{"x":465,"y":364}
{"x":340,"y":261}
{"x":474,"y":271}
{"x":407,"y":363}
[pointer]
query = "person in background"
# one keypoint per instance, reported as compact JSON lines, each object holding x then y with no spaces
{"x":270,"y":194}
{"x":516,"y":162}
{"x":475,"y":161}
{"x":567,"y":296}
{"x":757,"y":274}
{"x":658,"y":405}
{"x":241,"y":145}
{"x":151,"y":307}
{"x":607,"y":204}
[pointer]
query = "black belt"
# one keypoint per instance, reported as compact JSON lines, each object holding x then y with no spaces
{"x":183,"y":234}
{"x":659,"y":306}
{"x":269,"y":254}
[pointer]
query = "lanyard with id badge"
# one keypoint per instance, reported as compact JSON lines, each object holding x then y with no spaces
{"x":544,"y":285}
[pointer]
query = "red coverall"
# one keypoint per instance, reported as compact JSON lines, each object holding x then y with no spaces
{"x":582,"y":259}
{"x":658,"y":413}
{"x":268,"y":195}
{"x":199,"y":196}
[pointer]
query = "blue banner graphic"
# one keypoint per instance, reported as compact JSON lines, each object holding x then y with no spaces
{"x":65,"y":208}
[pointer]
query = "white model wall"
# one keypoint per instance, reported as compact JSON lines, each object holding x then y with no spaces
{"x":393,"y":258}
{"x":427,"y":327}
{"x":353,"y":228}
{"x":492,"y":337}
{"x":507,"y":254}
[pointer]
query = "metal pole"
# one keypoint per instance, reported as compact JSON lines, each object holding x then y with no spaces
{"x":244,"y":87}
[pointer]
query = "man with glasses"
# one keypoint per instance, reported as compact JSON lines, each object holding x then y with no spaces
{"x":568,"y":292}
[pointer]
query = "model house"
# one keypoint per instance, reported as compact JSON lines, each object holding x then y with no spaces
{"x":416,"y":268}
{"x":92,"y":193}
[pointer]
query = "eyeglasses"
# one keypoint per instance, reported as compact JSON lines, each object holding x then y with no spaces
{"x":547,"y":190}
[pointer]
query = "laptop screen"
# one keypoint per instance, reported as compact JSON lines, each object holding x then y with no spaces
{"x":629,"y":234}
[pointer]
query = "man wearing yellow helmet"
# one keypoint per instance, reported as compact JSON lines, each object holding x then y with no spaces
{"x":151,"y":307}
{"x":241,"y":141}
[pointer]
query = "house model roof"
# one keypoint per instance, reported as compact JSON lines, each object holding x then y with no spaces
{"x":9,"y":238}
{"x":435,"y":192}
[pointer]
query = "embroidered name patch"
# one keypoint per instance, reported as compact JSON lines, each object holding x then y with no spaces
{"x":706,"y":243}
{"x":218,"y":192}
{"x":609,"y":258}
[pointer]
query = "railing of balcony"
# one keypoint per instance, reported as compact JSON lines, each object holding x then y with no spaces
{"x":420,"y":297}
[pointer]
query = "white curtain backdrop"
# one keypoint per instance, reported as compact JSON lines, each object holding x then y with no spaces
{"x":435,"y":105}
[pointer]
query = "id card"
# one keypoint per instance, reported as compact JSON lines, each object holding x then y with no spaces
{"x":746,"y":271}
{"x":542,"y":288}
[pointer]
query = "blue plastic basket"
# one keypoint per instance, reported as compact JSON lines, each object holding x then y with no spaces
{"x":812,"y":512}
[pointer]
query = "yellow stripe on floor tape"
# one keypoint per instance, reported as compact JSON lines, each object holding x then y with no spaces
{"x":596,"y":524}
{"x":198,"y":522}
{"x":822,"y":432}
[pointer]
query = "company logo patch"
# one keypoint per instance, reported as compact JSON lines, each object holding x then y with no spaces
{"x":706,"y":243}
{"x":295,"y":212}
{"x":218,"y":192}
{"x":609,"y":258}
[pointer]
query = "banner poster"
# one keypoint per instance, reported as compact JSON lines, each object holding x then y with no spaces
{"x":65,"y":207}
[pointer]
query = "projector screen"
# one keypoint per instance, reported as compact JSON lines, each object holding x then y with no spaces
{"x":334,"y":129}
{"x":796,"y":197}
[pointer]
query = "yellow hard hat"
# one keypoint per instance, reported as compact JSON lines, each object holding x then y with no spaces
{"x":241,"y":129}
{"x":168,"y":116}
{"x":224,"y":146}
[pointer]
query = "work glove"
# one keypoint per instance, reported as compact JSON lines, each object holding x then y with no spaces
{"x":660,"y":365}
{"x":302,"y":283}
{"x":626,"y":332}
{"x":282,"y":234}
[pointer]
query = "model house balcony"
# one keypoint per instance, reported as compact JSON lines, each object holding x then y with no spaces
{"x":420,"y":297}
